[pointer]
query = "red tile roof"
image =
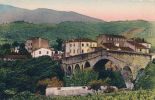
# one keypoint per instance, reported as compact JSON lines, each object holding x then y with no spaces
{"x":137,"y":45}
{"x":138,"y":40}
{"x":16,"y":56}
{"x":110,"y":46}
{"x":126,"y":49}
{"x":80,"y":40}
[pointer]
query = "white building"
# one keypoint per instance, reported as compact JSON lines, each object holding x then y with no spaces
{"x":78,"y":46}
{"x":41,"y":52}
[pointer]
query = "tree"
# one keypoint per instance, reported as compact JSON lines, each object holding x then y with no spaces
{"x":81,"y":78}
{"x":6,"y":46}
{"x":115,"y":76}
{"x":53,"y":82}
{"x":15,"y":44}
{"x":23,"y":75}
{"x":95,"y":85}
{"x":23,"y":51}
{"x":59,"y":44}
{"x":146,"y":80}
{"x":118,"y":80}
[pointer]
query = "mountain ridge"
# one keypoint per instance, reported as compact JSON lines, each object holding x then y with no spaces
{"x":10,"y":14}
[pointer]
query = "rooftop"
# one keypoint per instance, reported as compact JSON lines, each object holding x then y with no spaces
{"x":126,"y":49}
{"x":80,"y":40}
{"x":110,"y":46}
{"x":137,"y":45}
{"x":111,"y":35}
{"x":16,"y":56}
{"x":138,"y":40}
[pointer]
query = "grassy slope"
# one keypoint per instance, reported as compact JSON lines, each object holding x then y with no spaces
{"x":132,"y":32}
{"x":21,"y":31}
{"x":149,"y":34}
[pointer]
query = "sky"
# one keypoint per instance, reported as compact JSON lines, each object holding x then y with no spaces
{"x":107,"y":10}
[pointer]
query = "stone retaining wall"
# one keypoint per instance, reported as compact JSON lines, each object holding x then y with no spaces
{"x":73,"y":91}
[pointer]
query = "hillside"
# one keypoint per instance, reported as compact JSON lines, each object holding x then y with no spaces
{"x":20,"y":31}
{"x":132,"y":32}
{"x":39,"y":16}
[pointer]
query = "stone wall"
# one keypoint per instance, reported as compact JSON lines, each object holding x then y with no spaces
{"x":74,"y":91}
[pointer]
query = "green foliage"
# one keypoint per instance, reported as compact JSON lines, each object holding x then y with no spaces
{"x":15,"y":44}
{"x":23,"y":75}
{"x":59,"y":44}
{"x":128,"y":95}
{"x":146,"y":81}
{"x":23,"y":96}
{"x":20,"y":31}
{"x":81,"y":78}
{"x":118,"y":80}
{"x":95,"y":85}
{"x":5,"y":49}
{"x":54,"y":82}
{"x":115,"y":76}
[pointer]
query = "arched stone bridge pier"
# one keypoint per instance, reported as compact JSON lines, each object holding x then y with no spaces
{"x":124,"y":61}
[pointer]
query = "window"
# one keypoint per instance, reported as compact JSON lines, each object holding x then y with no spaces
{"x":74,"y":51}
{"x":29,"y":48}
{"x":82,"y":51}
{"x":107,"y":38}
{"x":140,"y":50}
{"x":70,"y":45}
{"x":70,"y":51}
{"x":31,"y":44}
{"x":47,"y":52}
{"x":87,"y":44}
{"x":74,"y":45}
{"x":39,"y":52}
{"x":82,"y":44}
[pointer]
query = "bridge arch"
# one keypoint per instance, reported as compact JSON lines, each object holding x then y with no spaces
{"x":87,"y":64}
{"x":103,"y":60}
{"x":128,"y":71}
{"x":77,"y":67}
{"x":69,"y":70}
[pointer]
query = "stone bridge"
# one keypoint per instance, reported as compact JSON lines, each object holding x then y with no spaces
{"x":128,"y":63}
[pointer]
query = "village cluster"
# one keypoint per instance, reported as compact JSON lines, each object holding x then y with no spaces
{"x":40,"y":46}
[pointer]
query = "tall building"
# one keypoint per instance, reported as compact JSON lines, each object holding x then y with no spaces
{"x":117,"y":40}
{"x":78,"y":46}
{"x":36,"y":43}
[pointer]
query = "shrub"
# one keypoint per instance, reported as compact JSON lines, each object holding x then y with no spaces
{"x":95,"y":85}
{"x":81,"y":78}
